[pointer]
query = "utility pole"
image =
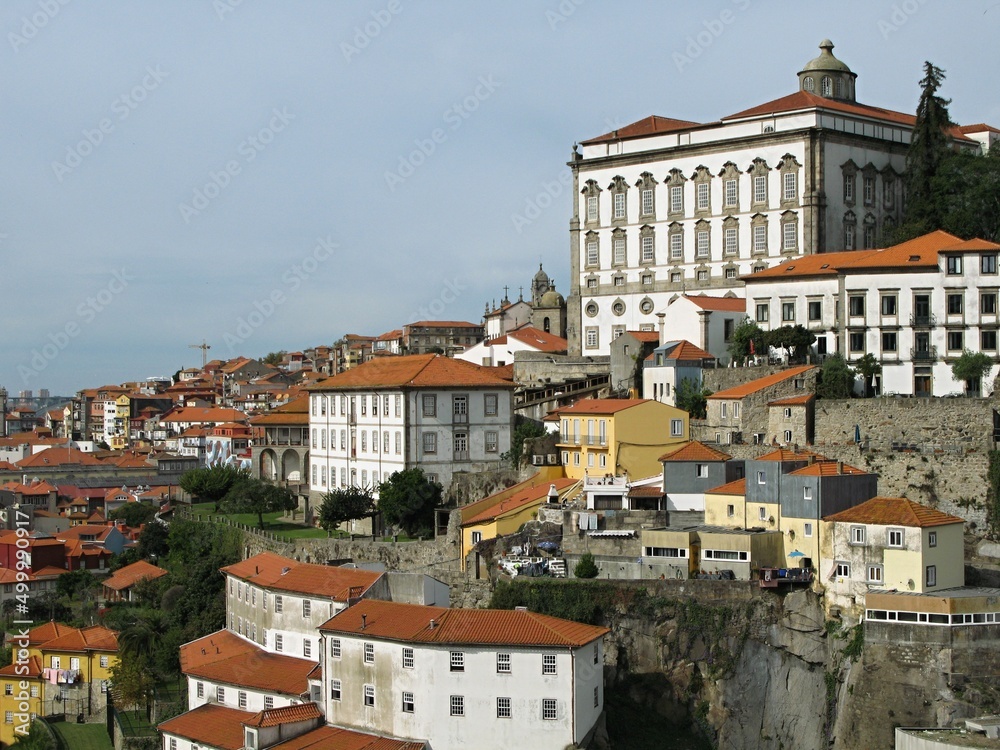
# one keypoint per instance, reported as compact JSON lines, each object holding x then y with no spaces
{"x":204,"y":346}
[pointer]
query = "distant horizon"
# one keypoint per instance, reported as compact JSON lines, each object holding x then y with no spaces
{"x":274,"y":176}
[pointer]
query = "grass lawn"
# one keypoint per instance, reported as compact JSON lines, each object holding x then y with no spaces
{"x":83,"y":736}
{"x":274,"y":523}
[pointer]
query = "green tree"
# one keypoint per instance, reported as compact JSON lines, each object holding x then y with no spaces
{"x":211,"y":484}
{"x":525,"y":429}
{"x":739,"y":345}
{"x":972,"y":367}
{"x":868,"y":367}
{"x":692,"y":398}
{"x":132,"y":683}
{"x":75,"y":583}
{"x":796,"y":340}
{"x":347,"y":504}
{"x":836,"y":378}
{"x":133,"y":514}
{"x":929,"y":148}
{"x":37,"y":738}
{"x":586,"y":568}
{"x":249,"y":495}
{"x":408,"y":499}
{"x":153,"y":541}
{"x":274,"y":358}
{"x":967,"y":192}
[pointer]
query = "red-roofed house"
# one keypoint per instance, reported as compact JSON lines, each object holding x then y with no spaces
{"x":890,"y":543}
{"x":447,"y":336}
{"x":393,"y":413}
{"x":118,"y":586}
{"x":692,"y":469}
{"x":669,"y":365}
{"x":667,"y":207}
{"x":499,"y":351}
{"x":471,"y":656}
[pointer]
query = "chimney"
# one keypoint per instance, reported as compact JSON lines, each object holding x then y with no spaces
{"x":364,"y":621}
{"x":661,"y":316}
{"x":810,"y":459}
{"x":840,"y":467}
{"x":433,"y":624}
{"x":553,"y":496}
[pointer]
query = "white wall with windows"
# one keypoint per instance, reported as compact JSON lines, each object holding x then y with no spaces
{"x":233,"y":695}
{"x":463,"y":696}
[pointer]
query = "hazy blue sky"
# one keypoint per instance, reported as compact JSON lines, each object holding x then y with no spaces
{"x":272,"y":175}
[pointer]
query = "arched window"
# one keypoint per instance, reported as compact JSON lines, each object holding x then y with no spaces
{"x":827,"y":86}
{"x":545,"y":325}
{"x":840,"y":88}
{"x":809,"y":84}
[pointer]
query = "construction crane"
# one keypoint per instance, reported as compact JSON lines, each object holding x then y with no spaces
{"x":204,"y":346}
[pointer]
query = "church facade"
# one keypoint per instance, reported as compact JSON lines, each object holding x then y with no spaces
{"x":666,"y":207}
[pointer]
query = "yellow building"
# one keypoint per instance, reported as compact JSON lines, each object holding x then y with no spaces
{"x":511,"y":509}
{"x":726,"y":505}
{"x":118,"y":438}
{"x":20,"y":700}
{"x":69,"y":670}
{"x":618,"y":436}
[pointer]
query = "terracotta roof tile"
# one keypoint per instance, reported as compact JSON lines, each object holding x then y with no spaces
{"x":894,"y":511}
{"x":682,"y":351}
{"x":818,"y":264}
{"x":784,"y":454}
{"x":59,"y":457}
{"x":519,"y":500}
{"x":805,"y":100}
{"x":827,"y":469}
{"x":539,"y":339}
{"x":695,"y":451}
{"x":649,"y":490}
{"x":209,"y":725}
{"x":414,"y":371}
{"x":335,"y":738}
{"x":980,"y":127}
{"x":719,"y":304}
{"x":760,"y":384}
{"x":805,"y":398}
{"x":225,"y":657}
{"x":736,"y":487}
{"x":600,"y":406}
{"x":484,"y":627}
{"x":920,"y":252}
{"x":273,"y":571}
{"x":652,"y":125}
{"x":96,"y":637}
{"x":273,"y":717}
{"x":203,"y":414}
{"x":647,"y":337}
{"x":33,"y":667}
{"x":130,"y":575}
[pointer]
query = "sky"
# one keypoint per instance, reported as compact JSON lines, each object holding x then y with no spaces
{"x":272,"y":175}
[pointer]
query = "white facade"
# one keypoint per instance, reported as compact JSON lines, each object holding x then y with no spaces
{"x":690,"y":319}
{"x":478,"y":706}
{"x":361,"y":437}
{"x":234,"y":695}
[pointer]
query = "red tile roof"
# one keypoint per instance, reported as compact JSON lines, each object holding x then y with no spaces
{"x":695,"y":451}
{"x":33,"y":667}
{"x":197,"y":414}
{"x":334,"y":738}
{"x":805,"y":100}
{"x":784,"y":454}
{"x":414,"y":371}
{"x":817,"y":264}
{"x":209,"y":725}
{"x":519,"y":500}
{"x":760,"y":384}
{"x":894,"y":511}
{"x":59,"y":457}
{"x":980,"y":127}
{"x":539,"y":339}
{"x":647,"y":337}
{"x":683,"y":351}
{"x":805,"y":398}
{"x":736,"y":487}
{"x":273,"y":717}
{"x":94,"y":638}
{"x":920,"y":252}
{"x":652,"y":125}
{"x":827,"y":469}
{"x":649,"y":490}
{"x":600,"y":406}
{"x":720,"y":304}
{"x":273,"y":571}
{"x":484,"y":627}
{"x":225,"y":657}
{"x":130,"y":575}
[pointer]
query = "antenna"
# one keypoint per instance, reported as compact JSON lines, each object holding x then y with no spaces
{"x":204,"y":346}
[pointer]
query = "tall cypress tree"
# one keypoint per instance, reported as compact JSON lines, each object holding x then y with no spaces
{"x":929,"y":148}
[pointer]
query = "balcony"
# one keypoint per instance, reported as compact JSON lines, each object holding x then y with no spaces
{"x":569,"y":439}
{"x":923,"y":321}
{"x":923,"y":355}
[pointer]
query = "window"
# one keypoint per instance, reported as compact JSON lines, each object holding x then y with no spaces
{"x":307,"y":648}
{"x":874,"y":574}
{"x":730,"y":511}
{"x":646,"y":279}
{"x":104,"y":662}
{"x":593,"y":257}
{"x":932,"y":539}
{"x":429,"y":403}
{"x":843,"y":570}
{"x":955,"y":304}
{"x":730,"y":274}
{"x":761,"y":477}
{"x":869,"y":190}
{"x":220,"y":695}
{"x":242,"y":699}
{"x":306,"y":608}
{"x":457,"y":705}
{"x":856,"y":306}
{"x":787,"y":312}
{"x":789,"y":236}
{"x":597,"y":696}
{"x":731,"y":193}
{"x":503,"y":663}
{"x":597,"y":652}
{"x":988,"y":264}
{"x":931,"y":577}
{"x":592,"y":338}
{"x":788,"y":436}
{"x":731,"y":243}
{"x":988,"y":341}
{"x":430,"y":442}
{"x":760,"y":189}
{"x":856,"y":341}
{"x":701,"y":471}
{"x":407,"y":702}
{"x":789,"y":186}
{"x":503,"y":708}
{"x":335,"y":690}
{"x":279,"y":642}
{"x":369,"y":653}
{"x":548,"y":663}
{"x":407,"y":658}
{"x":676,"y":199}
{"x":956,"y":341}
{"x":490,"y":402}
{"x":889,"y":305}
{"x":618,"y":248}
{"x":988,"y":303}
{"x":268,"y":702}
{"x":200,"y":689}
{"x":815,"y":308}
{"x":277,"y":604}
{"x":549,"y":709}
{"x":702,"y":244}
{"x":676,"y":427}
{"x":760,"y":238}
{"x":676,"y":246}
{"x":954,"y":265}
{"x":618,"y":206}
{"x":703,"y":196}
{"x":370,"y":695}
{"x":857,"y":535}
{"x":889,"y":342}
{"x":895,"y":537}
{"x":592,"y":208}
{"x":763,"y":309}
{"x":647,"y":248}
{"x":807,"y":529}
{"x":457,"y":661}
{"x":647,"y":202}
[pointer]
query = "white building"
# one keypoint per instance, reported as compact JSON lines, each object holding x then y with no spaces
{"x":916,"y":306}
{"x":395,"y":413}
{"x":499,"y":350}
{"x":463,"y":678}
{"x":669,"y":206}
{"x":668,"y":365}
{"x":707,"y":322}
